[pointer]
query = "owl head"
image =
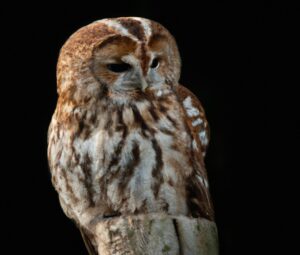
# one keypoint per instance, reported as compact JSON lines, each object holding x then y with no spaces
{"x":120,"y":58}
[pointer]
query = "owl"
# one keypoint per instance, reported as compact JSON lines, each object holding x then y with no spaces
{"x":126,"y":138}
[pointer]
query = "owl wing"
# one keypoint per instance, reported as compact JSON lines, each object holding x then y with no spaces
{"x":197,"y":186}
{"x":195,"y":118}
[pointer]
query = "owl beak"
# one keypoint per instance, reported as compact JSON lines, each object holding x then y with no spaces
{"x":138,"y":73}
{"x":144,"y":84}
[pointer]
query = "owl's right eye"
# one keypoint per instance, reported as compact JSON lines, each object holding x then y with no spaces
{"x":118,"y":68}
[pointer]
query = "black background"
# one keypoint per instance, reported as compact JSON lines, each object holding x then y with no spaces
{"x":236,"y":58}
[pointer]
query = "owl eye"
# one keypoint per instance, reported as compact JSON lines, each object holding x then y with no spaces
{"x":118,"y":68}
{"x":155,"y":63}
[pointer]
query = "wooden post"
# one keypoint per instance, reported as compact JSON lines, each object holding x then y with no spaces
{"x":155,"y":234}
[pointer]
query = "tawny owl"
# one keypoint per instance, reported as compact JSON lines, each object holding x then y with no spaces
{"x":126,"y":137}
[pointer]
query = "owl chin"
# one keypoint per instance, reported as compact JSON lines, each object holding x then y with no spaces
{"x":126,"y":96}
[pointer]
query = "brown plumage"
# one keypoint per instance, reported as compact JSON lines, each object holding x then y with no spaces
{"x":125,"y":137}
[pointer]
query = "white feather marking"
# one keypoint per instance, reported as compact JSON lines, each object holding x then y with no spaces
{"x":142,"y":106}
{"x":164,"y":122}
{"x":197,"y":122}
{"x":203,"y":137}
{"x":146,"y":25}
{"x":203,"y":181}
{"x":200,"y":178}
{"x":190,"y":109}
{"x":128,"y":116}
{"x":97,"y":152}
{"x":118,"y":27}
{"x":194,"y":144}
{"x":206,"y":183}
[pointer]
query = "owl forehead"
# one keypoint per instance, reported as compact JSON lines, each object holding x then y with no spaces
{"x":137,"y":29}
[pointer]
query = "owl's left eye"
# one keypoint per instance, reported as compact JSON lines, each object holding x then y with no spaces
{"x":119,"y":68}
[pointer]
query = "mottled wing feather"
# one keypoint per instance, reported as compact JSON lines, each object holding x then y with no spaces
{"x":197,"y":186}
{"x":196,"y":119}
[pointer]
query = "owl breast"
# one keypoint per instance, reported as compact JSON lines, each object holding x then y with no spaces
{"x":135,"y":160}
